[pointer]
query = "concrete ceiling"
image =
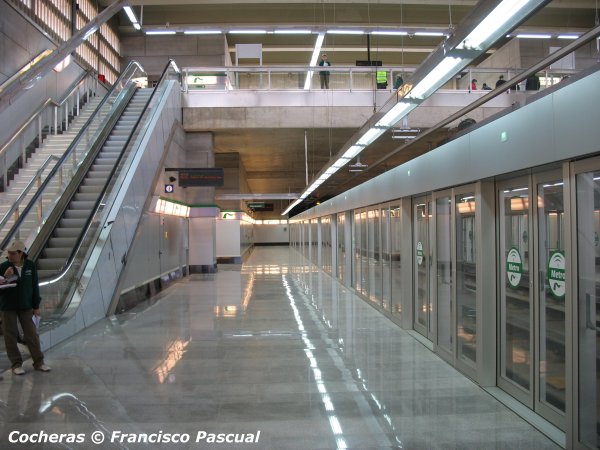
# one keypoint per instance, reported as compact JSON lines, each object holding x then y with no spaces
{"x":274,"y":158}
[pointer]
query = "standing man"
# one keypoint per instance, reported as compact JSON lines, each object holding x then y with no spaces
{"x":324,"y":74}
{"x":20,"y":303}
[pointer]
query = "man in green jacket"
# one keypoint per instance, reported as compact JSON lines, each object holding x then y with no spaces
{"x":20,"y":302}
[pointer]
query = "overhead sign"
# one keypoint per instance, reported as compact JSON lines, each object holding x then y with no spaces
{"x":201,"y":177}
{"x":261,"y":206}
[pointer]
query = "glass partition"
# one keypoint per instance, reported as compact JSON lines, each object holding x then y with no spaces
{"x":386,"y":268}
{"x":395,"y":258}
{"x":444,"y":277}
{"x":466,"y":279}
{"x":341,"y":247}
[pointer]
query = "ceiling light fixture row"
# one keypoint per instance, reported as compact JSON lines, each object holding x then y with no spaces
{"x":282,"y":31}
{"x":453,"y":55}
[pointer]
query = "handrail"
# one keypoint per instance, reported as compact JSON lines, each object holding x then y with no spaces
{"x":25,"y":191}
{"x":6,"y":85}
{"x":42,"y":107}
{"x":88,"y":222}
{"x":70,"y":149}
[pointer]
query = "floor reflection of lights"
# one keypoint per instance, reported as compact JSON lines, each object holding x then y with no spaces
{"x":361,"y":380}
{"x":334,"y":422}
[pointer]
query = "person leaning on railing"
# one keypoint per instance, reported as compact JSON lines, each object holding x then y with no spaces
{"x":20,"y":301}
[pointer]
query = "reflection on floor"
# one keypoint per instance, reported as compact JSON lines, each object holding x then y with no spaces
{"x":275,"y":347}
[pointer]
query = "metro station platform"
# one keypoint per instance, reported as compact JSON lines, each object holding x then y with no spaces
{"x":276,"y":347}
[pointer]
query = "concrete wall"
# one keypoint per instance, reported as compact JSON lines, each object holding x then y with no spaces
{"x":271,"y":234}
{"x":20,"y":42}
{"x":153,"y":52}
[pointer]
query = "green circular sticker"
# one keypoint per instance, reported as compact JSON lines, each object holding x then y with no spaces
{"x":514,"y":267}
{"x":419,"y":253}
{"x":556,"y":274}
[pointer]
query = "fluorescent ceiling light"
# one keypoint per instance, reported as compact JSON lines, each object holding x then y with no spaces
{"x":247,"y":32}
{"x":370,"y":135}
{"x":340,"y":163}
{"x":159,"y":32}
{"x":568,"y":36}
{"x":345,"y":32}
{"x":390,"y":33}
{"x":492,"y":23}
{"x":534,"y":36}
{"x":394,"y":115}
{"x":292,"y":32}
{"x":433,"y":78}
{"x":352,"y":152}
{"x":130,"y":14}
{"x":429,"y":33}
{"x":137,"y":26}
{"x":313,"y":59}
{"x":202,"y":32}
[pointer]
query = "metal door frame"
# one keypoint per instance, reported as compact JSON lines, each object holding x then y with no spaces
{"x":512,"y":388}
{"x":444,"y":354}
{"x":421,"y":329}
{"x":571,"y":253}
{"x":547,"y":411}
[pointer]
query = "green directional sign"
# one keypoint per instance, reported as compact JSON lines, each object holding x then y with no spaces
{"x":514,"y":267}
{"x":557,"y":277}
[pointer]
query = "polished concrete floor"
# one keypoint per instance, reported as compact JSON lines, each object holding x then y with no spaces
{"x":273,"y":347}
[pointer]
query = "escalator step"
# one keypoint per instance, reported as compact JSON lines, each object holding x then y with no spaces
{"x":58,"y":242}
{"x":50,"y":263}
{"x":67,"y":232}
{"x":57,"y":253}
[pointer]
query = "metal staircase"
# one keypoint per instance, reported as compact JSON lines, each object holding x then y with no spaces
{"x":52,"y":149}
{"x":58,"y":248}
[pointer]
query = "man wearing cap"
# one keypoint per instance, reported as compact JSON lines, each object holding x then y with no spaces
{"x":20,"y":303}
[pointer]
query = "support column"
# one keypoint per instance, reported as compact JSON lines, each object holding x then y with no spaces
{"x":199,"y":153}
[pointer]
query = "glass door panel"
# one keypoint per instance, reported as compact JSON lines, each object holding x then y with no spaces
{"x":385,"y":259}
{"x":552,"y":291}
{"x":588,"y":289}
{"x":395,"y":258}
{"x":364,"y":255}
{"x":341,"y":247}
{"x":421,"y":255}
{"x":357,"y":233}
{"x":443,"y":244}
{"x":516,"y":351}
{"x":466,"y":279}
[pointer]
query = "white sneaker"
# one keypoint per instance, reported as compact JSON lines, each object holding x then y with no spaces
{"x":18,"y":370}
{"x":43,"y":368}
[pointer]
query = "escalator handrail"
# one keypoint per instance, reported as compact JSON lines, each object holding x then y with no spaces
{"x":17,"y":76}
{"x":25,"y":191}
{"x":67,"y":153}
{"x":88,"y":222}
{"x":42,"y":108}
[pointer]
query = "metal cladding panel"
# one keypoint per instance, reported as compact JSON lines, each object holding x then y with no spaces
{"x":529,"y":134}
{"x":576,"y":118}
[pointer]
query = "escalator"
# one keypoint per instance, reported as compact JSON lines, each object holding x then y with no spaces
{"x":57,"y":249}
{"x":99,"y":202}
